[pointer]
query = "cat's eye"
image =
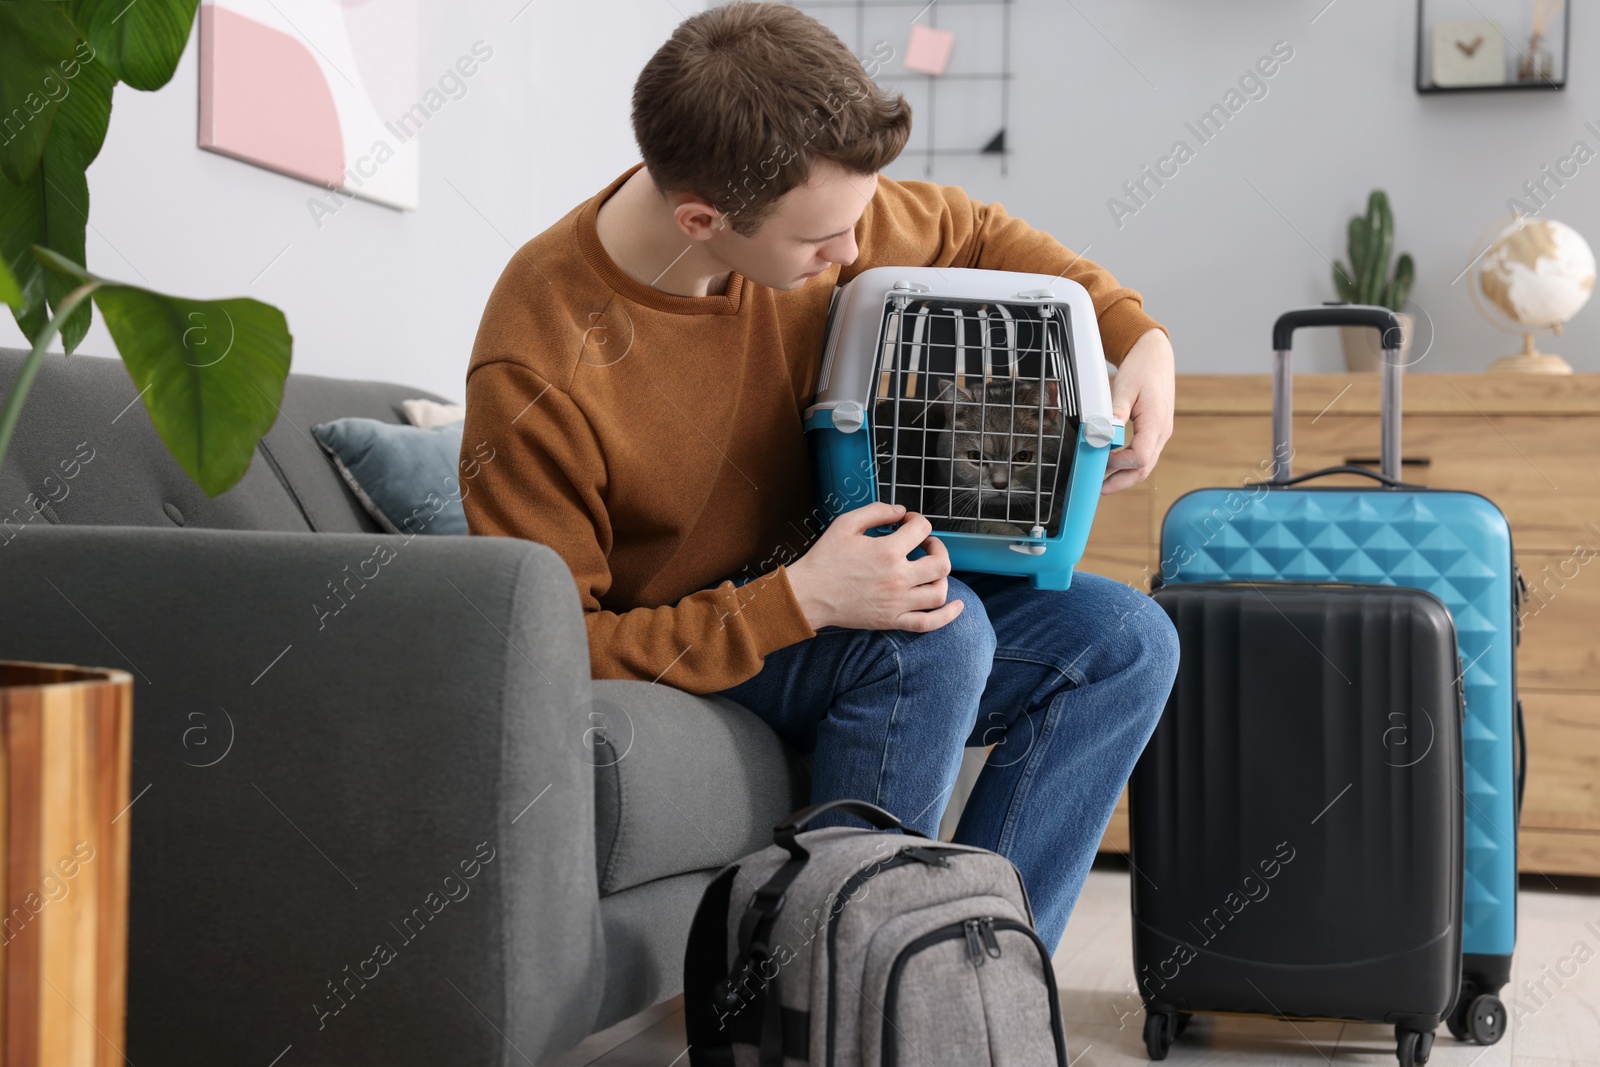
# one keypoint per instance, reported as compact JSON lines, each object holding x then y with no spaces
{"x":1023,"y":457}
{"x":974,"y":455}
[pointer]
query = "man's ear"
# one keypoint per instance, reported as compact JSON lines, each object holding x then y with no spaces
{"x":697,"y":218}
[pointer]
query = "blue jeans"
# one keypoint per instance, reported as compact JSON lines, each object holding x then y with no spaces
{"x":1066,"y":684}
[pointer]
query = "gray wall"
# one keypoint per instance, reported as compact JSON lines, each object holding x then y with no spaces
{"x":1103,"y":87}
{"x":1248,"y":226}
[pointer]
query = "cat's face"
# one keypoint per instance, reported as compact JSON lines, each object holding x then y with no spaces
{"x":999,"y":439}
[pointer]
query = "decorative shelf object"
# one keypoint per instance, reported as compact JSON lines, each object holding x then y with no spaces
{"x":1475,"y":46}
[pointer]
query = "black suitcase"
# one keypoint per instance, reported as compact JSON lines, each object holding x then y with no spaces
{"x":1296,"y":819}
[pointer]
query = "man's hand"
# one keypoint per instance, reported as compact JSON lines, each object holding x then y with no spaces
{"x":1142,"y":392}
{"x":851,"y":579}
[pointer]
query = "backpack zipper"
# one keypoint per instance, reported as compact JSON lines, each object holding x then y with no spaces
{"x":989,"y":939}
{"x":892,"y":988}
{"x":974,"y":945}
{"x":925,"y":854}
{"x":975,"y":931}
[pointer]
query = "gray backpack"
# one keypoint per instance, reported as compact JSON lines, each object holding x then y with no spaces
{"x":847,"y":947}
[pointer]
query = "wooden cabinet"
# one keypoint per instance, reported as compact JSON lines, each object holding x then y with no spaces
{"x":1532,"y":445}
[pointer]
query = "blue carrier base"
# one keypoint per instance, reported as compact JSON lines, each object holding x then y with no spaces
{"x":844,"y":461}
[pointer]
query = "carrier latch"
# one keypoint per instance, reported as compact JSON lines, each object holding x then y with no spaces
{"x":1030,"y":549}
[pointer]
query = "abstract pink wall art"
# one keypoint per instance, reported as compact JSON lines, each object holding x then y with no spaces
{"x":315,"y":89}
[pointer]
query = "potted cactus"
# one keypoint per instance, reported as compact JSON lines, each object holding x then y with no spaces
{"x":1367,"y":280}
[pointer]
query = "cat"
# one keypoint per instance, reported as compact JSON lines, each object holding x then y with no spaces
{"x":996,"y":444}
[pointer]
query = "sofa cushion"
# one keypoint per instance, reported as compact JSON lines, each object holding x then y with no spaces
{"x":430,"y":413}
{"x":86,"y":406}
{"x":682,"y":782}
{"x":327,"y":501}
{"x":405,"y":476}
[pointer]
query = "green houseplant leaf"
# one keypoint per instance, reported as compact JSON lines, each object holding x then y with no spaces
{"x":51,"y":207}
{"x":211,"y":372}
{"x":36,"y":49}
{"x":10,"y":292}
{"x":140,"y":43}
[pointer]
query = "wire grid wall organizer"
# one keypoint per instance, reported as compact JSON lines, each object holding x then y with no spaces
{"x":936,"y":368}
{"x":978,"y":85}
{"x":977,"y":398}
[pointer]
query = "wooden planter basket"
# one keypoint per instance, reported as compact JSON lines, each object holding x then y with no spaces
{"x":65,"y":764}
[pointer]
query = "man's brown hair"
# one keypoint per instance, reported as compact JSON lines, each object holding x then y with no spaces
{"x":743,"y":99}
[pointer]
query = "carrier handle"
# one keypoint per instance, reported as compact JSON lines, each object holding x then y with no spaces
{"x":1335,"y":313}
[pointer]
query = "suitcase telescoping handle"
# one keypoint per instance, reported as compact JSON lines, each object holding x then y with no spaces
{"x":1335,"y":314}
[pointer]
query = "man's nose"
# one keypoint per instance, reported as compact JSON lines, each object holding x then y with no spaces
{"x":844,"y":251}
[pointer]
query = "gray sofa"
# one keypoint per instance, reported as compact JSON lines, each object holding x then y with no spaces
{"x":312,"y":785}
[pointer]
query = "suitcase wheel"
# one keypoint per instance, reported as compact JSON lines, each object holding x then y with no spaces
{"x":1159,"y":1030}
{"x":1412,"y":1047}
{"x":1485,"y":1019}
{"x":1478,"y":1017}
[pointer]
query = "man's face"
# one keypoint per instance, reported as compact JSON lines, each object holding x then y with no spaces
{"x":811,"y":229}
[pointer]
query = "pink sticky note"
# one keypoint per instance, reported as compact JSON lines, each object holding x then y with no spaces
{"x":929,"y":50}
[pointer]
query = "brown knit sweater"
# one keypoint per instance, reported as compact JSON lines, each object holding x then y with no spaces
{"x":655,"y":442}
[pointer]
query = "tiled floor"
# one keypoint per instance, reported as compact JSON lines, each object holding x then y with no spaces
{"x":1556,"y":1027}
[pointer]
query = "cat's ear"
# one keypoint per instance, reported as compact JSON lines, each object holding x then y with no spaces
{"x":1052,"y":396}
{"x":942,"y":413}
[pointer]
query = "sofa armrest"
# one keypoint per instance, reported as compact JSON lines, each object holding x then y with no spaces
{"x":362,"y":817}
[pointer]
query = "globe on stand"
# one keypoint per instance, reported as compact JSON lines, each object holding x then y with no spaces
{"x":1534,"y":275}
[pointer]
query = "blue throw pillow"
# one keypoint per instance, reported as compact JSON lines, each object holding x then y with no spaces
{"x":405,"y":476}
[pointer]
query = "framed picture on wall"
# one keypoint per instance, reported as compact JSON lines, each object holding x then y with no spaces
{"x":324,"y":92}
{"x":1492,"y":45}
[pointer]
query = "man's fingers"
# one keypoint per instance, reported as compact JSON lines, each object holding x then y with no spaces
{"x":1121,"y":480}
{"x":923,"y":621}
{"x":1123,"y":458}
{"x":1131,"y":465}
{"x":864,"y":518}
{"x":934,"y":565}
{"x":911,"y":531}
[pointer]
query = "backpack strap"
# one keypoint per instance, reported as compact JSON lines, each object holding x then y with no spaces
{"x":763,"y":1026}
{"x":710,"y":1043}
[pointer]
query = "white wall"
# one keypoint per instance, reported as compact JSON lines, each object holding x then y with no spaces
{"x":1242,"y":232}
{"x":378,"y":293}
{"x":1218,"y":252}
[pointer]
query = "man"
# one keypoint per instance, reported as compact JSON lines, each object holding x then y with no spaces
{"x":641,"y":370}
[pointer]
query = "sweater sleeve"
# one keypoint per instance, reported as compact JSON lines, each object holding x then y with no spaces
{"x":916,"y":222}
{"x":545,"y":480}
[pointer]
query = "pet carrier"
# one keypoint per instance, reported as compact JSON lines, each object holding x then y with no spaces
{"x":978,"y":398}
